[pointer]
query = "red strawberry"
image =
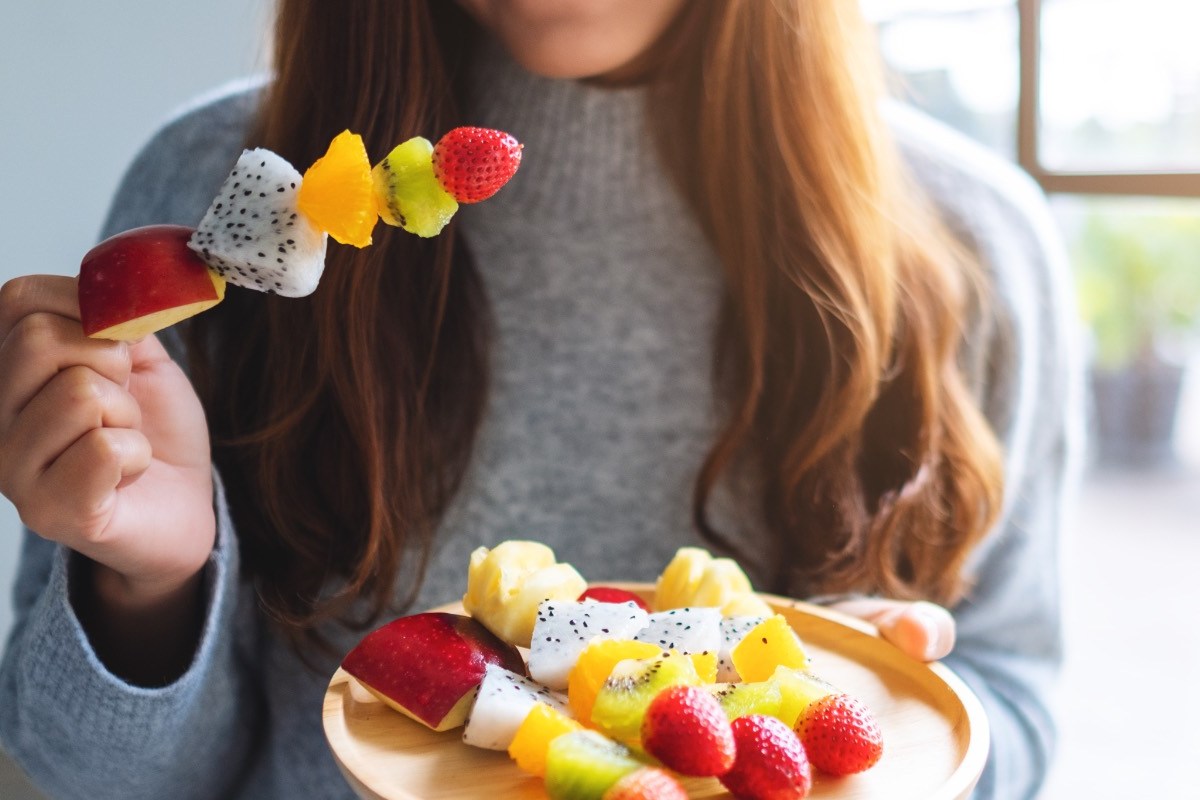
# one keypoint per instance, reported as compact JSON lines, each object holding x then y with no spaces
{"x":840,"y":735}
{"x":771,"y":763}
{"x":611,"y":594}
{"x":647,"y":783}
{"x":473,"y":163}
{"x":687,"y":730}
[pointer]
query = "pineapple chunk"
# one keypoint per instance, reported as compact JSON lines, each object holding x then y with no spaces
{"x":721,"y":581}
{"x":695,"y":579}
{"x":506,"y":584}
{"x":679,"y":580}
{"x":746,"y":604}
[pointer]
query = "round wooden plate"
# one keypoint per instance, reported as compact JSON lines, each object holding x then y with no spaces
{"x":934,"y":730}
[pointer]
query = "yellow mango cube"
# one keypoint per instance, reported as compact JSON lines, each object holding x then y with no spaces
{"x":706,"y":666}
{"x":543,"y":724}
{"x":770,"y":644}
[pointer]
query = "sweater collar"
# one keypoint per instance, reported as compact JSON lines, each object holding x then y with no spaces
{"x":588,"y":156}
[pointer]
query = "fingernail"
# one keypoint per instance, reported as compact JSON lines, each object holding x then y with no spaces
{"x":933,"y":635}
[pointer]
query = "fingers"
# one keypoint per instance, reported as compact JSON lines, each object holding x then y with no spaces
{"x":40,"y":345}
{"x":77,"y":418}
{"x":74,"y":499}
{"x":922,"y":630}
{"x":75,"y":401}
{"x":65,"y":453}
{"x":53,"y":294}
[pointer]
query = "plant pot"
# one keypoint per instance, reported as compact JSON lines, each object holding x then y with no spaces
{"x":1134,"y":412}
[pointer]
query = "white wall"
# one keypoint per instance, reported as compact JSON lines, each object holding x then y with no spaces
{"x":82,"y":86}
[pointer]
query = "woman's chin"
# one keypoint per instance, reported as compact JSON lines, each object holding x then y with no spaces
{"x":577,"y":38}
{"x":567,"y":62}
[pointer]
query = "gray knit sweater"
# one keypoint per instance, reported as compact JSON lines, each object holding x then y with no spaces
{"x":604,"y":293}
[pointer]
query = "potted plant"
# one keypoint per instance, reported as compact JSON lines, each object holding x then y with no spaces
{"x":1139,"y":287}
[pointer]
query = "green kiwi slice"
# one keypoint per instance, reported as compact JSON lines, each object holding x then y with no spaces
{"x":744,"y":699}
{"x":622,"y":701}
{"x":797,"y":690}
{"x":407,"y":193}
{"x":582,"y":765}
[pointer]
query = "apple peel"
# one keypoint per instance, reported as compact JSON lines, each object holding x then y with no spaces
{"x":429,"y":666}
{"x":142,"y":280}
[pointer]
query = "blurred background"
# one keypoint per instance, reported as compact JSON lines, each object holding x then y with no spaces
{"x":1105,"y":114}
{"x":82,"y":87}
{"x":1100,"y":101}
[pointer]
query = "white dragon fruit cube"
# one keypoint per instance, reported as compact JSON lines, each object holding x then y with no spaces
{"x":564,"y":628}
{"x":686,"y":630}
{"x":501,"y":704}
{"x":253,"y":234}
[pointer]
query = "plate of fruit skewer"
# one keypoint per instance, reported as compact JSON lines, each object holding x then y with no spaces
{"x":538,"y":685}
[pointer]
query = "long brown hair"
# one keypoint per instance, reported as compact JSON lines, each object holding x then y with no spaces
{"x":846,"y":304}
{"x":343,"y":422}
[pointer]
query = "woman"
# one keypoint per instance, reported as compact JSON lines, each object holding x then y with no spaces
{"x":710,"y":308}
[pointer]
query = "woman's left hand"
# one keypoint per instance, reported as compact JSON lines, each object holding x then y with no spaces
{"x":922,"y":630}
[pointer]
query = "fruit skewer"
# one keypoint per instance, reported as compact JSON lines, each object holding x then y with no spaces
{"x":268,"y":227}
{"x":642,"y":709}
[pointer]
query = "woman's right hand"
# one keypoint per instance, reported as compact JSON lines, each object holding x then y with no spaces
{"x":103,"y":447}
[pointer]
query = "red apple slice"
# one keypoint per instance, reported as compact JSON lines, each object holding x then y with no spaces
{"x":143,"y":280}
{"x":427,"y":666}
{"x":611,"y":594}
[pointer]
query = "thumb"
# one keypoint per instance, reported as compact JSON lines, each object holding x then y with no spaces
{"x":148,"y":353}
{"x":922,"y":630}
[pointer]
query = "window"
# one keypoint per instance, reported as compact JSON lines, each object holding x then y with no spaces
{"x":1110,"y":96}
{"x":1099,"y":100}
{"x":958,"y":61}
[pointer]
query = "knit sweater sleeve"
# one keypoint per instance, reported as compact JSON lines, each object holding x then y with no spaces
{"x":78,"y":730}
{"x":1026,"y":365}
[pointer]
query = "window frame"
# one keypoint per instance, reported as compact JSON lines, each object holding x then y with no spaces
{"x":1143,"y":183}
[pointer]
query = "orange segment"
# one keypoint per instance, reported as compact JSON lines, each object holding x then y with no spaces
{"x":542,"y":725}
{"x":595,"y":664}
{"x":770,"y":644}
{"x":338,"y":195}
